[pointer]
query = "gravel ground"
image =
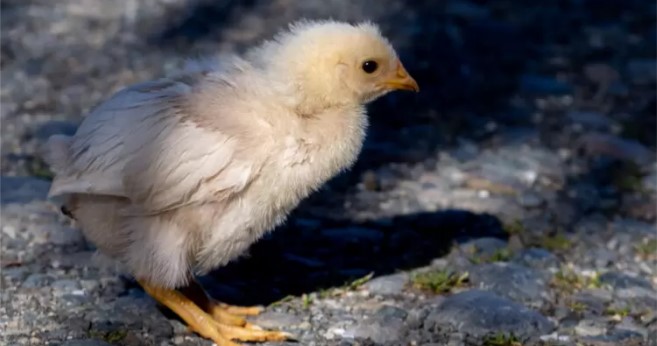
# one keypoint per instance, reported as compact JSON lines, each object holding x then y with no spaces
{"x":512,"y":202}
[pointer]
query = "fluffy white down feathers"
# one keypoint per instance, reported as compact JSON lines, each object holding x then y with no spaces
{"x":180,"y":175}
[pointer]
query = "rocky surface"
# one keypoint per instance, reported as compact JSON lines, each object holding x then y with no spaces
{"x":512,"y":202}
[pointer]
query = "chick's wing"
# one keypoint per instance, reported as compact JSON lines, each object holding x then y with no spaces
{"x":144,"y":144}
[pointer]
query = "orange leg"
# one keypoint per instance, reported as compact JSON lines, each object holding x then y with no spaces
{"x":220,"y":327}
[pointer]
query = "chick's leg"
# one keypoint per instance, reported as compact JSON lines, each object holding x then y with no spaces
{"x":222,"y":313}
{"x":204,"y":324}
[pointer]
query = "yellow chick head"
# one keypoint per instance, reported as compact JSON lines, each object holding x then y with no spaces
{"x":335,"y":63}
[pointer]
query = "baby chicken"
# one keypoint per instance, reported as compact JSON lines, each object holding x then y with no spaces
{"x":177,"y":176}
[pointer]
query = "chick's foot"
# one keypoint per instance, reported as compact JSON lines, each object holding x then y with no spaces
{"x":208,"y":326}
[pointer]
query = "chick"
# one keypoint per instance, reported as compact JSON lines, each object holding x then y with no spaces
{"x":177,"y":176}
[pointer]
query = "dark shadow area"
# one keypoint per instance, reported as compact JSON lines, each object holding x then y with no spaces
{"x":201,"y":21}
{"x":307,"y":255}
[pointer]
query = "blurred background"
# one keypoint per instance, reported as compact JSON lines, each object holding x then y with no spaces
{"x":535,"y":129}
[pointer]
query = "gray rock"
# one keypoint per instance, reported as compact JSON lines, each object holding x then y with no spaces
{"x":628,"y":325}
{"x":480,"y":313}
{"x":37,"y":280}
{"x":483,"y":247}
{"x":619,"y":280}
{"x":536,"y":258}
{"x":388,"y":285}
{"x":535,"y":84}
{"x":615,"y":338}
{"x":510,"y":280}
{"x":22,"y":189}
{"x":65,"y":286}
{"x":276,"y":320}
{"x":86,"y":342}
{"x":634,"y":227}
{"x":595,"y":299}
{"x":642,"y":71}
{"x":530,"y":200}
{"x":592,"y":120}
{"x":616,"y":147}
{"x":591,"y":327}
{"x":386,"y":326}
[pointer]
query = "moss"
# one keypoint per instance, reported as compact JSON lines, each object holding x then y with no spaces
{"x":39,"y":169}
{"x":577,"y":307}
{"x":500,"y":255}
{"x":616,"y":311}
{"x":283,"y":300}
{"x":501,"y":339}
{"x":514,"y":228}
{"x":568,"y":281}
{"x":628,"y":177}
{"x":439,"y":281}
{"x":112,"y":336}
{"x":557,"y":242}
{"x":306,"y":301}
{"x":358,"y":282}
{"x":647,"y":249}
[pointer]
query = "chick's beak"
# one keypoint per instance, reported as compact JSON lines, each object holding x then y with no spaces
{"x":402,"y":80}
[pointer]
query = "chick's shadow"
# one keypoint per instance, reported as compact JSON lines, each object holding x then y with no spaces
{"x":307,"y":255}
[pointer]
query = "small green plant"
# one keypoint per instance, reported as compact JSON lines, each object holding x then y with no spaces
{"x":283,"y":300}
{"x":439,"y":281}
{"x":306,"y":301}
{"x":514,"y":228}
{"x":113,"y":336}
{"x":647,"y":249}
{"x":500,"y":255}
{"x":358,"y":282}
{"x":569,"y":281}
{"x":577,"y":307}
{"x":616,"y":311}
{"x":501,"y":339}
{"x":557,"y":242}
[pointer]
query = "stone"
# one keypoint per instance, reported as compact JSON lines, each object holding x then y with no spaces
{"x":642,"y":71}
{"x":536,"y":258}
{"x":480,"y":313}
{"x":388,"y":285}
{"x":591,"y":327}
{"x":530,"y":200}
{"x":22,"y":189}
{"x":616,"y":147}
{"x":591,"y":120}
{"x":386,"y":326}
{"x":620,"y":280}
{"x":535,"y":84}
{"x":86,"y":342}
{"x":510,"y":280}
{"x":276,"y":320}
{"x":483,"y":247}
{"x":37,"y":280}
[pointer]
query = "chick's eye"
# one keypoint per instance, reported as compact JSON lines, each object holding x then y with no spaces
{"x":370,"y":66}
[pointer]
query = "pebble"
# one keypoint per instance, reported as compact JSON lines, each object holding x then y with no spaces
{"x":591,"y":327}
{"x":276,"y":320}
{"x":480,"y":313}
{"x":87,"y":342}
{"x":22,"y":189}
{"x":388,"y":285}
{"x":385,"y":326}
{"x":537,"y":258}
{"x":510,"y":280}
